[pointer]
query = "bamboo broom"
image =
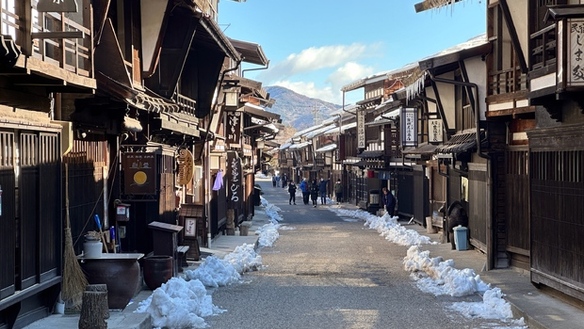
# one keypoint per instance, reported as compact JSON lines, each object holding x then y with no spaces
{"x":74,"y":281}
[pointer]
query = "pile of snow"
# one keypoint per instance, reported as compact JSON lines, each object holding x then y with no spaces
{"x":387,"y":226}
{"x":183,"y":302}
{"x":438,"y":276}
{"x":179,"y":304}
{"x":434,"y":275}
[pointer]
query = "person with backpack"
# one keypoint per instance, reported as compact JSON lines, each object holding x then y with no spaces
{"x":292,"y":191}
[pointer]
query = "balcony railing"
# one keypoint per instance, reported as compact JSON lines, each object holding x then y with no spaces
{"x":543,"y":48}
{"x":507,"y":81}
{"x":61,"y":39}
{"x":71,"y":54}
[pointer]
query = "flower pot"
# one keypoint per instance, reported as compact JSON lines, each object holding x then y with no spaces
{"x":157,"y":270}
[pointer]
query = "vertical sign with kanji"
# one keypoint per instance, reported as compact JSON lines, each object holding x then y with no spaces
{"x":576,"y":52}
{"x":409,"y":127}
{"x":361,"y":139}
{"x":233,"y":127}
{"x":435,"y":130}
{"x":234,"y":179}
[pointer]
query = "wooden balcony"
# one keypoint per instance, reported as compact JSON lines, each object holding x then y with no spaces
{"x":543,"y":51}
{"x":54,"y":46}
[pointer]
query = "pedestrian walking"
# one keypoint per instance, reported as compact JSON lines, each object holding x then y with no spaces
{"x":292,"y":191}
{"x":322,"y":186}
{"x":314,"y":192}
{"x":388,"y":201}
{"x":274,"y":181}
{"x":339,"y":191}
{"x":278,"y":180}
{"x":305,"y":189}
{"x":284,"y":181}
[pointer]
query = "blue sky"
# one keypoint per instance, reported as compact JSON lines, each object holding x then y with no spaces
{"x":317,"y":46}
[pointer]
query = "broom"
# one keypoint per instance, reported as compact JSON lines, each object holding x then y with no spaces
{"x":74,"y":281}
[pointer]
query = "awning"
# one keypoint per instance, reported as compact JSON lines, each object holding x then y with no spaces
{"x":371,"y":154}
{"x":326,"y":148}
{"x":300,"y":145}
{"x":259,"y":112}
{"x":250,"y":52}
{"x":459,"y":143}
{"x":424,"y":150}
{"x":285,"y":146}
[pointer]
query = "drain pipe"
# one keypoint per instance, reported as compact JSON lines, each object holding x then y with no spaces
{"x":265,"y":67}
{"x":476,"y":106}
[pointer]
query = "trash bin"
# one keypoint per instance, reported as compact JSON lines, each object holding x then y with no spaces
{"x":461,"y":237}
{"x":257,"y":191}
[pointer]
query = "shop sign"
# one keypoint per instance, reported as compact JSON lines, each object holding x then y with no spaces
{"x":139,"y":173}
{"x":435,"y":130}
{"x":409,"y":127}
{"x":234,"y":179}
{"x":361,"y":138}
{"x":233,"y":127}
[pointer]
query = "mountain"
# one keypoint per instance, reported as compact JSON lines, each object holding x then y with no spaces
{"x":299,"y":111}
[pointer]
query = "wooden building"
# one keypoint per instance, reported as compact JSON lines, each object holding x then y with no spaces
{"x":38,"y":71}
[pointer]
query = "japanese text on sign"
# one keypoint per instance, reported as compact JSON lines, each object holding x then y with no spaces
{"x":576,"y":49}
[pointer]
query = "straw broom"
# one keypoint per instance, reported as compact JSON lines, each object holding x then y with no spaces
{"x":74,"y":281}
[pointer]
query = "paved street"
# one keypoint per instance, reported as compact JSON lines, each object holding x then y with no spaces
{"x":328,"y":272}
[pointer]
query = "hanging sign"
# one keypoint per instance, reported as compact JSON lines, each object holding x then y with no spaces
{"x":233,"y":126}
{"x":361,"y":138}
{"x":185,"y":167}
{"x":234,"y":179}
{"x":139,"y":173}
{"x":409,"y":127}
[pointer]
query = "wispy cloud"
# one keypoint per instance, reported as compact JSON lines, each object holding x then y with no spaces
{"x":336,"y":65}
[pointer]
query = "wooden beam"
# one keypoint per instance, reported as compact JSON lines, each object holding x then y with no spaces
{"x":513,"y":34}
{"x":59,"y":35}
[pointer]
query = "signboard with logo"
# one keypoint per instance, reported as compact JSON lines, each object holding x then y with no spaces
{"x":409,"y":127}
{"x":185,"y":167}
{"x":139,"y":173}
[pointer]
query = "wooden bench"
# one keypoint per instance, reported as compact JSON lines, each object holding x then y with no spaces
{"x":181,"y":252}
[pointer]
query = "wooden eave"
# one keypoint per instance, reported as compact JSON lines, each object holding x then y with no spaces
{"x":455,"y":57}
{"x":250,"y":52}
{"x":558,"y":12}
{"x":431,"y":4}
{"x":28,"y":65}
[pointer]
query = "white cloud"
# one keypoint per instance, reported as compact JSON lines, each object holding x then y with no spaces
{"x":320,"y":72}
{"x":316,"y":58}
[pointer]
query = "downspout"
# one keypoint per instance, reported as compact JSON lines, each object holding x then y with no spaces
{"x":255,"y":69}
{"x":207,"y":151}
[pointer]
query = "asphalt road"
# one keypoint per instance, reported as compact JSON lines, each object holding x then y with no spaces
{"x":325,"y":271}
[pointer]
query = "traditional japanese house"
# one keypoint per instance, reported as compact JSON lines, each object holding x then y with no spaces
{"x":46,"y":60}
{"x":448,"y":91}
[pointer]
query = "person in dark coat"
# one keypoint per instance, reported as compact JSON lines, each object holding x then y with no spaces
{"x":305,"y":189}
{"x":284,"y":181}
{"x":314,"y":192}
{"x":292,"y":191}
{"x":388,"y":201}
{"x":322,"y":190}
{"x":456,"y":215}
{"x":339,"y":191}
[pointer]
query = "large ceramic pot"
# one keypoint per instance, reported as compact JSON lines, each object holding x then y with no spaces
{"x":157,"y":270}
{"x":121,"y":274}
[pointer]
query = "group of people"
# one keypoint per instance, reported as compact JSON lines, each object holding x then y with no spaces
{"x":314,"y":190}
